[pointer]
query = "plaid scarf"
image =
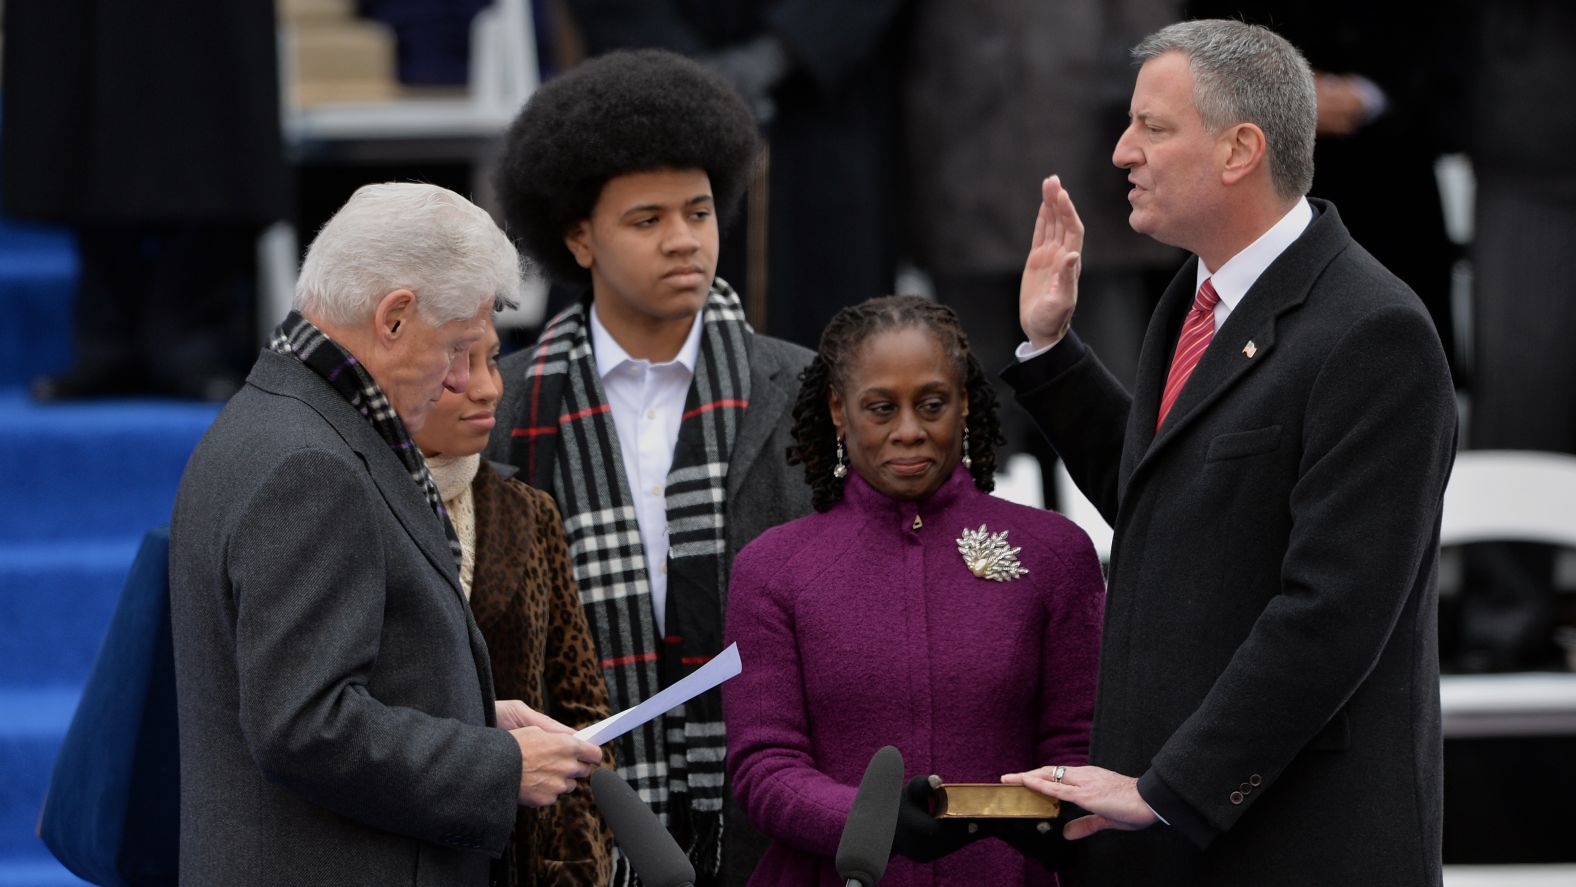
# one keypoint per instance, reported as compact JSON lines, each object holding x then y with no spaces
{"x":301,"y":339}
{"x":568,"y":445}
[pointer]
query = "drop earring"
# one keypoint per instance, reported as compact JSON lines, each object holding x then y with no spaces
{"x":967,"y":461}
{"x":840,"y":470}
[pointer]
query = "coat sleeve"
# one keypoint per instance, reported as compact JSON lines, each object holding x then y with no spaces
{"x":770,"y":760}
{"x":309,"y":608}
{"x":1070,"y":653}
{"x":1083,"y":410}
{"x":579,"y":849}
{"x":1378,"y":443}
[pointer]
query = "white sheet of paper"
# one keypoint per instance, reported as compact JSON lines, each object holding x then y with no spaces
{"x":722,"y":667}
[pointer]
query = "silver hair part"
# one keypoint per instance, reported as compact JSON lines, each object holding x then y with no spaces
{"x":1245,"y":73}
{"x":402,"y":235}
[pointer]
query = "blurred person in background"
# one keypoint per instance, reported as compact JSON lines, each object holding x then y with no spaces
{"x":1519,"y":64}
{"x":995,"y":93}
{"x":1381,"y":72}
{"x":515,"y":571}
{"x":152,"y":130}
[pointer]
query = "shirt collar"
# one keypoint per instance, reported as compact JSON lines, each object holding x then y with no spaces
{"x":610,"y":355}
{"x":1233,"y":279}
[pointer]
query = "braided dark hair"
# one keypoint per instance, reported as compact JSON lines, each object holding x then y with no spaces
{"x":815,"y":437}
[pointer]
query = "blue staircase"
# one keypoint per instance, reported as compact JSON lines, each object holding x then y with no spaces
{"x":79,"y":484}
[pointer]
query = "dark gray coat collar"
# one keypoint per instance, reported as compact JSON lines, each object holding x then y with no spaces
{"x":287,"y":377}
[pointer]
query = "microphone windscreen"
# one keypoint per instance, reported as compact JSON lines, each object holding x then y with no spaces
{"x":867,"y":838}
{"x":652,"y":852}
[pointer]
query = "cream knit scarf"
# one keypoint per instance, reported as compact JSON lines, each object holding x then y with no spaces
{"x":453,"y":475}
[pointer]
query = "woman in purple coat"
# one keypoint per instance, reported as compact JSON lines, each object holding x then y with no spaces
{"x":913,"y":609}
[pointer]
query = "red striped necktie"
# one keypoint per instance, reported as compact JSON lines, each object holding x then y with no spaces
{"x":1197,"y":330}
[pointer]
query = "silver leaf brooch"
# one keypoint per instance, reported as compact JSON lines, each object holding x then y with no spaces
{"x":988,"y":556}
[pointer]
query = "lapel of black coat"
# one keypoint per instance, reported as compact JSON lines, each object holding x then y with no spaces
{"x":767,"y":401}
{"x":1283,"y":287}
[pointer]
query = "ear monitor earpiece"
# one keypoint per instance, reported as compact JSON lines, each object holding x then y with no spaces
{"x":394,"y":330}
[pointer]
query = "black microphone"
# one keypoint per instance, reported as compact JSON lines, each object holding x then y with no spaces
{"x":867,"y":838}
{"x":652,"y":852}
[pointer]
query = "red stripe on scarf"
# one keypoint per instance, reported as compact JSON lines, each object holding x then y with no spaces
{"x":566,"y":418}
{"x":629,"y":660}
{"x":532,"y":432}
{"x":714,"y":405}
{"x":562,"y":420}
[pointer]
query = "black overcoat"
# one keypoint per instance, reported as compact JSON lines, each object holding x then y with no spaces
{"x":1270,"y":661}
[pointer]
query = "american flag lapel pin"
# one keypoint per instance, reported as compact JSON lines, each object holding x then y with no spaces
{"x":1250,"y":349}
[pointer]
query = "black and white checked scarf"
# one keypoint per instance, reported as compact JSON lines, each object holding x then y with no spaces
{"x":301,"y":339}
{"x":568,"y":445}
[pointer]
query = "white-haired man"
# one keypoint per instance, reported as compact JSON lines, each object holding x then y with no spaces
{"x":337,"y":720}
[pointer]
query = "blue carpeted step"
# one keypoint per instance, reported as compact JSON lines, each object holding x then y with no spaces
{"x":38,"y":273}
{"x":33,"y":722}
{"x":56,"y":600}
{"x":92,"y":470}
{"x":36,"y":871}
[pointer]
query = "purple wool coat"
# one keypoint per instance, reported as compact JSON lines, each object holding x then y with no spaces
{"x":857,"y":630}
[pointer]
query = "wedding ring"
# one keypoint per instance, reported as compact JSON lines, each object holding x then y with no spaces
{"x":1058,"y":773}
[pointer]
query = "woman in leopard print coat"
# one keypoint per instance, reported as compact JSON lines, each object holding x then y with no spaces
{"x":517,"y":574}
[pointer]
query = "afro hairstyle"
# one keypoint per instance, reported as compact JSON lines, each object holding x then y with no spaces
{"x":624,"y":112}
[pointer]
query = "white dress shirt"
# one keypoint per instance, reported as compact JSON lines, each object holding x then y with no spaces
{"x":1233,"y":279}
{"x":647,"y":401}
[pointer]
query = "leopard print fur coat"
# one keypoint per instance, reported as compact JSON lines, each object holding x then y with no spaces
{"x":527,"y":606}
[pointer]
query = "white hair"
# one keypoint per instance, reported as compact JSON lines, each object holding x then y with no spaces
{"x":400,"y":235}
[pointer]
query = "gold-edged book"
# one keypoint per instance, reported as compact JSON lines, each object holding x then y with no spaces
{"x":992,"y":800}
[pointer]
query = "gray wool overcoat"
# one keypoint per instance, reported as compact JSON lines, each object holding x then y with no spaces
{"x":335,"y":696}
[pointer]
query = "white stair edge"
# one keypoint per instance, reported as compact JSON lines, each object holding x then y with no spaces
{"x":1554,"y":875}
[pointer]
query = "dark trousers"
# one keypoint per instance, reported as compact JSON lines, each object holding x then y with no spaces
{"x":164,"y":303}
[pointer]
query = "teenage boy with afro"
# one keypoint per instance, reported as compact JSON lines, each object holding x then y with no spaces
{"x":649,"y":409}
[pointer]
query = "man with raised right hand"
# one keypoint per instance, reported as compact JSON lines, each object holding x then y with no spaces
{"x":1268,"y":703}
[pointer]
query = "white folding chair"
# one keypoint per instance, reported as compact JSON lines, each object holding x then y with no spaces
{"x":1509,"y":496}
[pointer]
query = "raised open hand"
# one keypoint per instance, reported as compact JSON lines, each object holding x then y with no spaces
{"x":1049,"y":291}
